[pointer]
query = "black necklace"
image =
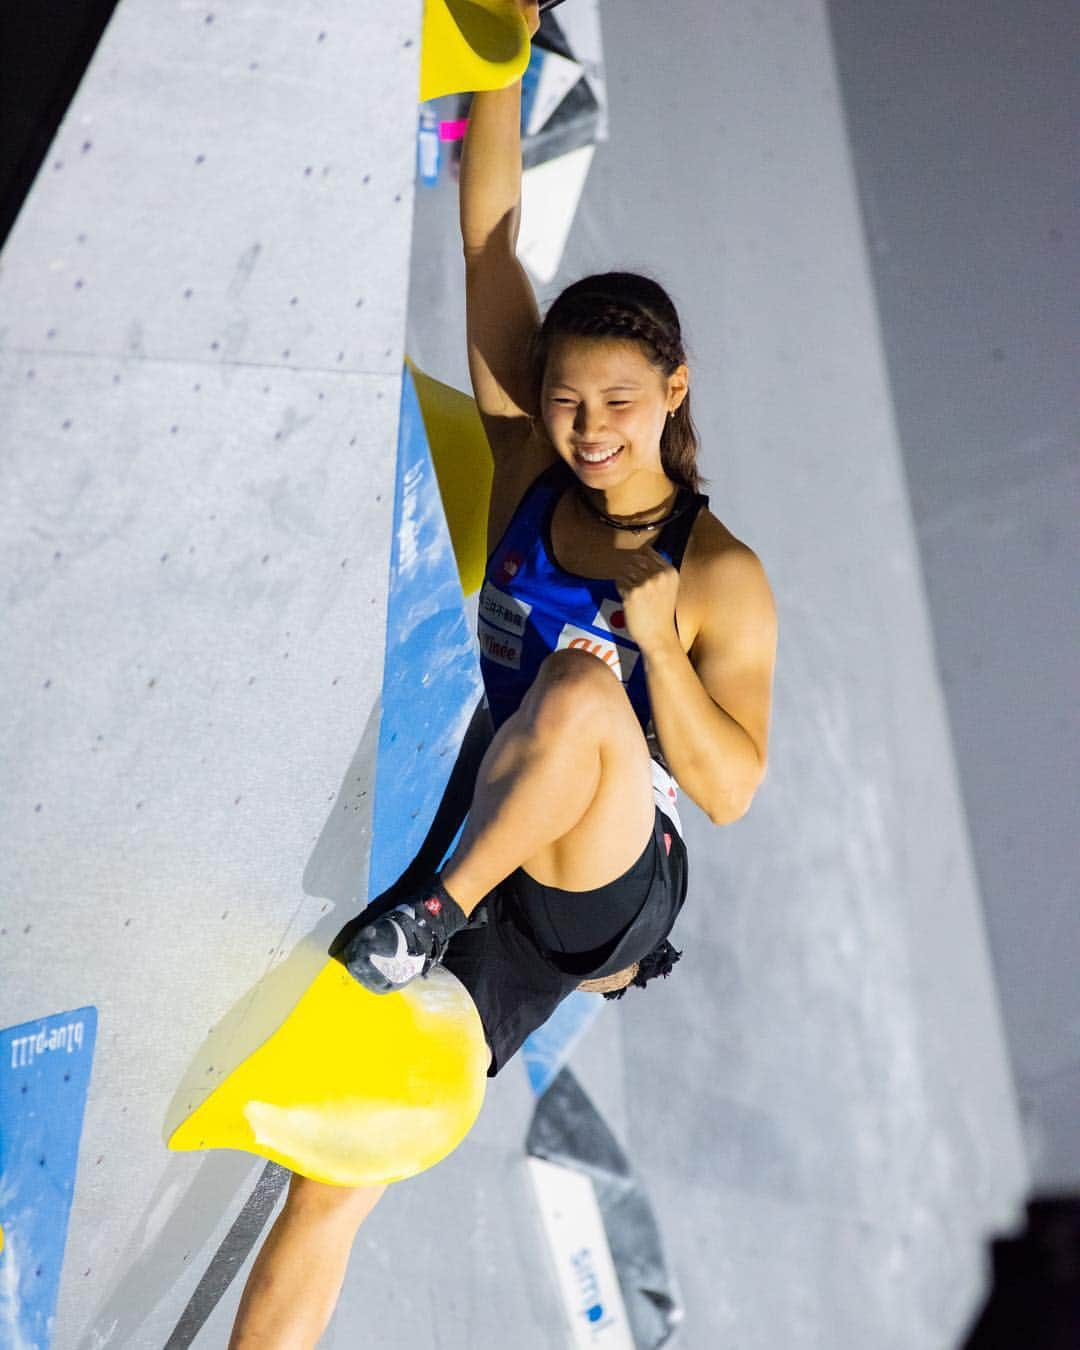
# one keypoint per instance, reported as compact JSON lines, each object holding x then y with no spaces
{"x":634,"y":529}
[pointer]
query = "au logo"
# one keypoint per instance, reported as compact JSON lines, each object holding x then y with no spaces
{"x":619,"y":659}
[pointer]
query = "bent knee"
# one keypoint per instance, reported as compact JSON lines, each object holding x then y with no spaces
{"x":572,"y":680}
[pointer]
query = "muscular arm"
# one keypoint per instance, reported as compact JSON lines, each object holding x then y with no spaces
{"x":711,"y":708}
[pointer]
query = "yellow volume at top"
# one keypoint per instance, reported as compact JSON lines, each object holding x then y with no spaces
{"x":467,"y":45}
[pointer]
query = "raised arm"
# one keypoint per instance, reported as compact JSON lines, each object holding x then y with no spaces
{"x":490,"y":174}
{"x":500,"y":307}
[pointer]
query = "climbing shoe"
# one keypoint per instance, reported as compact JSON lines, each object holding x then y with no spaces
{"x":391,"y":951}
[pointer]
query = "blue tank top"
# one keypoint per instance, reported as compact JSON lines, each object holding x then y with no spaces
{"x":530,"y":607}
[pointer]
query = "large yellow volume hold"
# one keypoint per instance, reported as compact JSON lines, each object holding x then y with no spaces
{"x":354,"y":1088}
{"x":468,"y":45}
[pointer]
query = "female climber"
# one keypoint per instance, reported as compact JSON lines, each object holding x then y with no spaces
{"x":627,"y":642}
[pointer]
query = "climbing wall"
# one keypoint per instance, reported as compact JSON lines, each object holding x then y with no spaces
{"x":203,"y":310}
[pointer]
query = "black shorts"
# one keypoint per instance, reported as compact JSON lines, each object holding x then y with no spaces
{"x":528,"y":946}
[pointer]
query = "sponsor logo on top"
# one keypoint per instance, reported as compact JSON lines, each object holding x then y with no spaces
{"x":619,"y":659}
{"x":611,"y":618}
{"x":508,"y":566}
{"x":505,"y":611}
{"x":502,"y":648}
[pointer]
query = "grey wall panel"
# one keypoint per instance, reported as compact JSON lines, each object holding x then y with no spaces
{"x":202,"y":310}
{"x":963,"y":126}
{"x":226,"y":191}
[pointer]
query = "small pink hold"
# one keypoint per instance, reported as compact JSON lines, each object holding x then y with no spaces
{"x":453,"y":131}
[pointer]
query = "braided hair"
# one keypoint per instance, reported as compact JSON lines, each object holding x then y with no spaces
{"x":630,"y":307}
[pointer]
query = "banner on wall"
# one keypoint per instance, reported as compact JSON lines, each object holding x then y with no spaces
{"x":44,"y":1075}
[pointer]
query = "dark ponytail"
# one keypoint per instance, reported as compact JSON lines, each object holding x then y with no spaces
{"x":625,"y":305}
{"x":658,"y":962}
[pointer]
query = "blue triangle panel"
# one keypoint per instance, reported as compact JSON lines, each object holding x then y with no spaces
{"x":549,"y":1047}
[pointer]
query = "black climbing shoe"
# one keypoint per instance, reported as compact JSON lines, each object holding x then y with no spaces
{"x":393,"y":950}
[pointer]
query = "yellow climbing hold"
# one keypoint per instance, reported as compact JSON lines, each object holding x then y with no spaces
{"x":468,"y":45}
{"x":354,"y":1088}
{"x":464,"y":468}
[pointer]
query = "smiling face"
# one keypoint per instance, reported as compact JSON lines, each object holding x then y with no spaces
{"x":604,"y":407}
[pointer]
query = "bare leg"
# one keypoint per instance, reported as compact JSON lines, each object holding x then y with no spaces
{"x":564,"y":791}
{"x":295,"y":1281}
